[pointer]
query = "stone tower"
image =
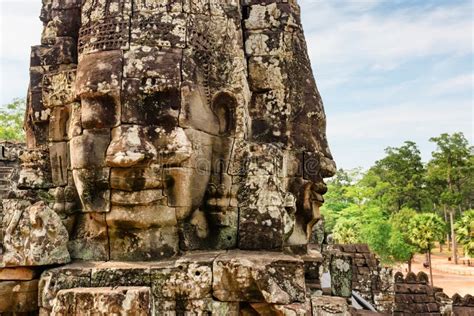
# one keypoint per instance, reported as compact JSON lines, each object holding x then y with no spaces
{"x":176,"y":152}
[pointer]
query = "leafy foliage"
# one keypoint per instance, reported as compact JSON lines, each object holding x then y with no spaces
{"x":465,"y":232}
{"x":11,"y":121}
{"x":376,"y":206}
{"x":425,"y":229}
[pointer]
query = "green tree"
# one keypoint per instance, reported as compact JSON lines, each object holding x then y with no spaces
{"x":398,"y":178}
{"x":465,"y":233}
{"x":11,"y":121}
{"x":452,"y":168}
{"x":346,"y":231}
{"x":401,"y":246}
{"x":376,"y":234}
{"x":339,"y":196}
{"x":424,"y":230}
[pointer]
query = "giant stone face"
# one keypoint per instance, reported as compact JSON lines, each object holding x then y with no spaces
{"x":181,"y":125}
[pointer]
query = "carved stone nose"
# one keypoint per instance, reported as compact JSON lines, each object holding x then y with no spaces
{"x":129,"y":147}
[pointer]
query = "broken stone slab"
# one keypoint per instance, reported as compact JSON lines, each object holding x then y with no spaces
{"x":18,"y":296}
{"x":18,"y":274}
{"x":71,"y":276}
{"x":103,"y":301}
{"x":33,"y":235}
{"x":187,"y":278}
{"x":244,"y":276}
{"x":205,"y":306}
{"x":329,"y":306}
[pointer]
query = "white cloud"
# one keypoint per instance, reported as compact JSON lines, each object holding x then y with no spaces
{"x":359,"y":138}
{"x":363,"y":56}
{"x":20,"y":28}
{"x":401,"y":121}
{"x":464,"y":82}
{"x":384,"y":40}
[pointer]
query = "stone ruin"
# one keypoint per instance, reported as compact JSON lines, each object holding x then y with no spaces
{"x":415,"y":296}
{"x":175,"y":159}
{"x":10,"y":153}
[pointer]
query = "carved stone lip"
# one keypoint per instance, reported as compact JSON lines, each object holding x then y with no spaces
{"x":318,"y":197}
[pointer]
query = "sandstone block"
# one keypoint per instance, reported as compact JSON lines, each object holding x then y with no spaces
{"x":89,"y":240}
{"x":341,"y":275}
{"x":205,"y":306}
{"x":58,"y":126}
{"x":188,"y":278}
{"x":103,"y":301}
{"x":59,"y":157}
{"x":273,"y":278}
{"x":93,"y":189}
{"x":17,"y":274}
{"x":114,"y":274}
{"x":71,"y":276}
{"x":57,"y":88}
{"x":18,"y":296}
{"x":129,"y":244}
{"x":33,"y":235}
{"x":88,"y":150}
{"x":329,"y":306}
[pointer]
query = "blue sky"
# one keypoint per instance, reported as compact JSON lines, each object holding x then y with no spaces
{"x":388,"y":70}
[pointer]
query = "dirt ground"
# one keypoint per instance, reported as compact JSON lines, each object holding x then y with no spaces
{"x":452,"y":278}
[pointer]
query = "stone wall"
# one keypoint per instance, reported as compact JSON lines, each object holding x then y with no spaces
{"x":463,"y":306}
{"x":369,"y":278}
{"x":414,"y":295}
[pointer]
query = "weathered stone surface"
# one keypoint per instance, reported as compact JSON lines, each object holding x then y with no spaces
{"x":88,"y":150}
{"x":206,"y":306}
{"x":258,"y":277}
{"x":89,"y":240}
{"x":143,"y":244}
{"x":187,"y":278}
{"x":103,"y":301}
{"x":57,"y":88}
{"x":58,"y":127}
{"x":34,"y":235}
{"x":93,"y":189}
{"x":72,"y":276}
{"x":113,"y":274}
{"x":413,"y":294}
{"x":18,"y":296}
{"x":18,"y":274}
{"x":266,"y":208}
{"x":59,"y":157}
{"x":297,"y":309}
{"x":329,"y":305}
{"x":156,"y":127}
{"x":341,"y":275}
{"x":35,"y":169}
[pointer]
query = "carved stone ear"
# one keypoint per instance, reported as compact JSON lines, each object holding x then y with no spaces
{"x":223,"y":107}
